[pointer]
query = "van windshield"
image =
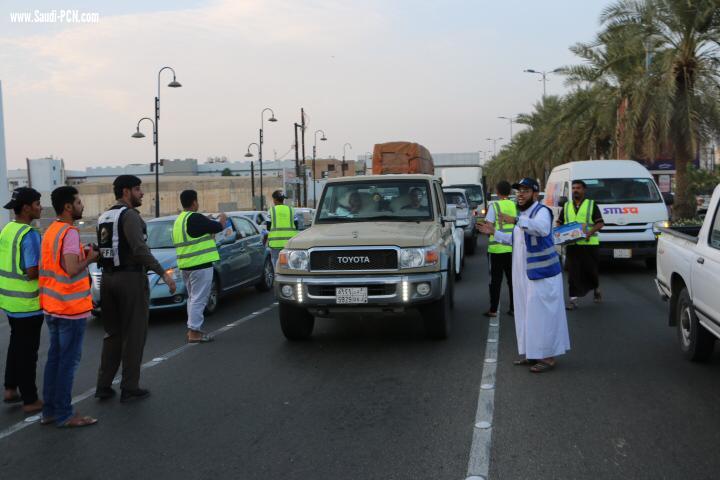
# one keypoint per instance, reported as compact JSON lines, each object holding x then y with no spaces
{"x":622,"y":190}
{"x":390,"y":200}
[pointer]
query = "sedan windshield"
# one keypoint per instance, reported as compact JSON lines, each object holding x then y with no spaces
{"x":387,"y":200}
{"x":159,"y":234}
{"x":622,"y":190}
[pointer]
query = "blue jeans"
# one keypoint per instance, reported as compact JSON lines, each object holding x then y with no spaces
{"x":66,"y":337}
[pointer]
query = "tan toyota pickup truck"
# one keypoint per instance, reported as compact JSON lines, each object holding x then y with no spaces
{"x":379,"y":244}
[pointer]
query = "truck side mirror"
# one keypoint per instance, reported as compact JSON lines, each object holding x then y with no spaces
{"x":450,"y":214}
{"x":668,"y":198}
{"x":562,"y":201}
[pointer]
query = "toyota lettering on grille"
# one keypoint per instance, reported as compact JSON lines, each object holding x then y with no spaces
{"x":356,"y":260}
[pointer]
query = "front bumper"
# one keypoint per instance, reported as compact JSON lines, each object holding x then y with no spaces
{"x":641,"y":249}
{"x":386,"y":293}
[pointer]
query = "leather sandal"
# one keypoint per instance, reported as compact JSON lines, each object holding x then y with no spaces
{"x":78,"y":421}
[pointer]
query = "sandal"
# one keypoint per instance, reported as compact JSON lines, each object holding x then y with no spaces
{"x":490,"y":314}
{"x":524,"y":361}
{"x":598,"y":296}
{"x":202,"y":339}
{"x":571,"y":306}
{"x":542,"y":367}
{"x":78,"y":421}
{"x":47,"y":420}
{"x":13,"y":399}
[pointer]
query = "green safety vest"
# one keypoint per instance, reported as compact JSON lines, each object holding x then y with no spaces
{"x":508,"y":208}
{"x":582,"y":215}
{"x":18,"y":294}
{"x":192,"y":252}
{"x":282,"y":226}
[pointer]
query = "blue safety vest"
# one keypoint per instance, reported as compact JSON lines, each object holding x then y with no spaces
{"x":543,"y":260}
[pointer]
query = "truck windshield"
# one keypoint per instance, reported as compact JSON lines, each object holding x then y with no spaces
{"x":454,"y":198}
{"x":622,"y":190}
{"x":387,"y":200}
{"x":474,"y":192}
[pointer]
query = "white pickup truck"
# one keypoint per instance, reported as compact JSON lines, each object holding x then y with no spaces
{"x":688,"y":274}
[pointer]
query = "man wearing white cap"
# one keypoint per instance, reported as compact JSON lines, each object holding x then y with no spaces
{"x":540,"y":321}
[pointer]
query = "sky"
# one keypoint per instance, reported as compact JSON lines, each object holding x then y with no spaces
{"x":366,"y":71}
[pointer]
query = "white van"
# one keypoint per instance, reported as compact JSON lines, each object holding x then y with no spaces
{"x":628,"y":198}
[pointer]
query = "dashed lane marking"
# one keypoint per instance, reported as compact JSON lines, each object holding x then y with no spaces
{"x":155,"y":361}
{"x":479,"y":462}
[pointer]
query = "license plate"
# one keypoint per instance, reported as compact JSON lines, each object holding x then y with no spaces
{"x":622,"y":253}
{"x":351,"y":295}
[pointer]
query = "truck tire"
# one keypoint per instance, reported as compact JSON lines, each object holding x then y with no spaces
{"x":437,"y":315}
{"x":296,"y":323}
{"x":696,"y":343}
{"x":472,"y":245}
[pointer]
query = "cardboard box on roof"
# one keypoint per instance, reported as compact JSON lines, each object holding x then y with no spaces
{"x":401,"y":157}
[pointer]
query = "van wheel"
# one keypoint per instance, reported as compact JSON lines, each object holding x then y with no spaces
{"x":472,"y":245}
{"x":296,"y":323}
{"x":437,"y":315}
{"x":696,"y":343}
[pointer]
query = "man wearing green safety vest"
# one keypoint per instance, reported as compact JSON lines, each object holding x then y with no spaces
{"x":20,"y":298}
{"x":581,"y":258}
{"x":193,"y":237}
{"x":500,"y":255}
{"x":283,"y":225}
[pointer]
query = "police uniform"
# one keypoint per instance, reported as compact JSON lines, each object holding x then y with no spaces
{"x":124,"y":294}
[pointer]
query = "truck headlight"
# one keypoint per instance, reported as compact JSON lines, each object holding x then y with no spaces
{"x":418,"y":257}
{"x":294,"y":259}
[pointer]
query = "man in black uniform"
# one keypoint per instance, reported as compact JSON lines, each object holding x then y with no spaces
{"x":124,"y":292}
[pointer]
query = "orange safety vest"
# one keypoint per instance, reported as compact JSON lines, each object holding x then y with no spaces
{"x":61,"y":294}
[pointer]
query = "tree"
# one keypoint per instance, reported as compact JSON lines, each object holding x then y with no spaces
{"x":226,"y":172}
{"x":675,"y":105}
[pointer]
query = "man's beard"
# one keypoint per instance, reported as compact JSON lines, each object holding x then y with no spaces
{"x":136,"y":201}
{"x":77,"y":215}
{"x":527,"y":205}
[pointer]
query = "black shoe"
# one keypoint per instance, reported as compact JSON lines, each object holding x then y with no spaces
{"x":132,"y":395}
{"x":104,"y":393}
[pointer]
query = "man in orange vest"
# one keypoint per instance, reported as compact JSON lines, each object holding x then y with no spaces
{"x":66,"y":301}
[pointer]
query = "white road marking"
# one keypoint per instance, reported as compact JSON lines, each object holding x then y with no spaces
{"x":479,"y":462}
{"x":155,"y":361}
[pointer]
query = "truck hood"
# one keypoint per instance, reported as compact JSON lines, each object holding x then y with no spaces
{"x":400,"y":234}
{"x":633,"y":213}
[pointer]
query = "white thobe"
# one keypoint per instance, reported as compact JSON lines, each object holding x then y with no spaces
{"x":540,"y":320}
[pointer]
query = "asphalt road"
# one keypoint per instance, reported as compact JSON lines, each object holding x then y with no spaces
{"x":371,"y":398}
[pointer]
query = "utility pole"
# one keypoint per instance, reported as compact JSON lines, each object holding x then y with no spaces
{"x":252,"y":185}
{"x":304,"y":169}
{"x":297,"y":166}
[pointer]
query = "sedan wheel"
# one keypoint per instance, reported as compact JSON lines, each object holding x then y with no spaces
{"x":268,"y":277}
{"x":213,"y":298}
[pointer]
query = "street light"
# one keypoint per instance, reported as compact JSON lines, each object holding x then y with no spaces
{"x":260,"y":145}
{"x":511,"y":120}
{"x":494,"y":143}
{"x":343,"y":162}
{"x":156,"y":124}
{"x":544,"y":75}
{"x":252,"y":172}
{"x":323,"y":138}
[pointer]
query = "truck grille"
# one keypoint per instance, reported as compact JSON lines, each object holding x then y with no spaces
{"x":354,"y":260}
{"x":329,"y":290}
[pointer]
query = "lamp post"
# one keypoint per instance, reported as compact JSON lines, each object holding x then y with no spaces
{"x":494,"y":143}
{"x":260,"y":145}
{"x":544,"y":75}
{"x":139,"y":134}
{"x":252,"y":173}
{"x":322,"y":139}
{"x":173,"y":84}
{"x":511,"y":120}
{"x":343,"y":162}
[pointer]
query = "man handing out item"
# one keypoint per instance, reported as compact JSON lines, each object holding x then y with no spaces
{"x":582,"y":256}
{"x":540,"y":321}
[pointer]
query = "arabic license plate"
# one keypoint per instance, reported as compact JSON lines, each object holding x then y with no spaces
{"x":622,"y":253}
{"x":351,"y":295}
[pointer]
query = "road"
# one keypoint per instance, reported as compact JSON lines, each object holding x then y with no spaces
{"x":371,"y":398}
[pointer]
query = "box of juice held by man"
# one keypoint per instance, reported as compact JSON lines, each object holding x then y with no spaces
{"x":568,"y":233}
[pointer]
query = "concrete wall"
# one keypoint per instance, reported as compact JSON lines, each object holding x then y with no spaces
{"x":212,"y":191}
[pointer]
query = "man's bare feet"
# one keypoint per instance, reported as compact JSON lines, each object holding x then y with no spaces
{"x":11,"y":396}
{"x":33,"y":407}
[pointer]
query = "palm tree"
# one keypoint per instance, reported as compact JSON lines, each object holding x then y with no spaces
{"x":675,"y":103}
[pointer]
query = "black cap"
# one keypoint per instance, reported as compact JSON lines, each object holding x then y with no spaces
{"x":23,"y":196}
{"x":279,"y":195}
{"x":527,"y":182}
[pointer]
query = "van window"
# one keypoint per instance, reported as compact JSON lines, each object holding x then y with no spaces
{"x":622,"y":190}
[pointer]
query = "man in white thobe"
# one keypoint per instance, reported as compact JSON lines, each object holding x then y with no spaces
{"x":540,"y":321}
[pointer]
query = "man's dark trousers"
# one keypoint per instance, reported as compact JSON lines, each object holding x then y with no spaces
{"x":22,"y":356}
{"x":125,"y":299}
{"x":500,"y":263}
